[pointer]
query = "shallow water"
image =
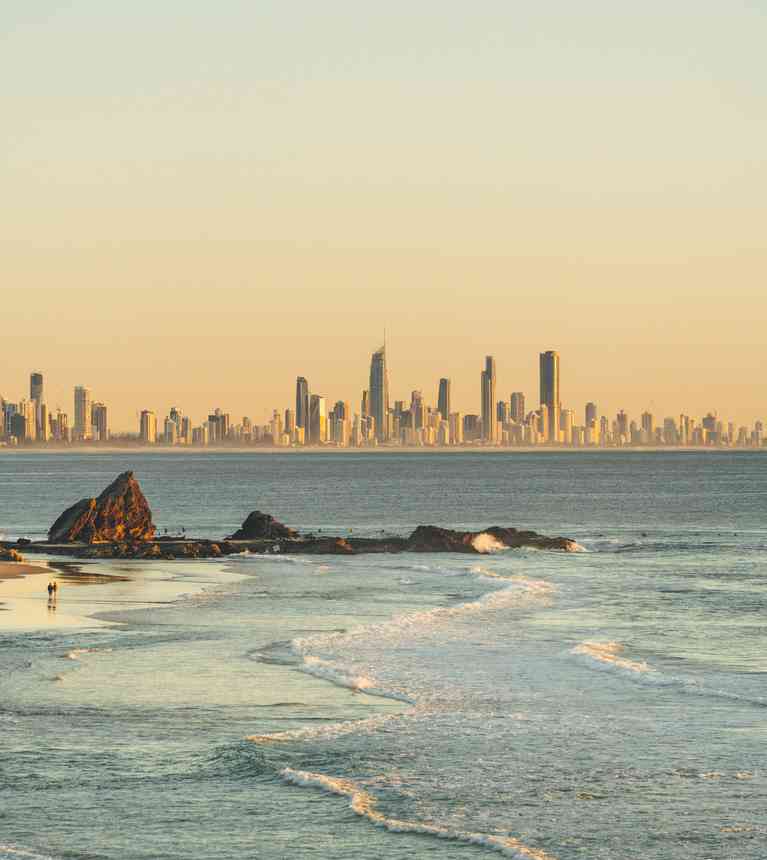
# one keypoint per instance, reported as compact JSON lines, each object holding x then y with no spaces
{"x":604,"y":704}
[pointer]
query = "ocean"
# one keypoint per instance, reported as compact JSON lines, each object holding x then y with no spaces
{"x":607,"y":704}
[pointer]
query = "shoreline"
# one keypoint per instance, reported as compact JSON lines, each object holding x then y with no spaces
{"x":10,"y":570}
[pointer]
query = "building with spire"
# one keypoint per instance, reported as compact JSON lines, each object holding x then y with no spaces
{"x":378,"y":394}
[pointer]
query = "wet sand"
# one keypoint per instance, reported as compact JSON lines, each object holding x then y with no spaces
{"x":15,"y":569}
{"x":89,"y":590}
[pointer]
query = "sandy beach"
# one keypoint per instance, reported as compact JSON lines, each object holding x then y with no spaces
{"x":15,"y":569}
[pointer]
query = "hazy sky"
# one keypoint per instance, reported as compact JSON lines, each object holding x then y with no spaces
{"x":202,"y":200}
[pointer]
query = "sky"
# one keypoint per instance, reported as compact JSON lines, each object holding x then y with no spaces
{"x":201,"y":201}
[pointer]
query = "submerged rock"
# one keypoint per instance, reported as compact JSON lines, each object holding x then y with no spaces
{"x":120,"y":513}
{"x":258,"y":526}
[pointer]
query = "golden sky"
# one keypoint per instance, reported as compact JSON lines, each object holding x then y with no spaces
{"x":202,"y":201}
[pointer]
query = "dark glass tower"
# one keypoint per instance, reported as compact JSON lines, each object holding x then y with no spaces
{"x":378,"y":394}
{"x":302,"y":403}
{"x":443,"y":399}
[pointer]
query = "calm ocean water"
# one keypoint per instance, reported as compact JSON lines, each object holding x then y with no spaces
{"x":604,"y":704}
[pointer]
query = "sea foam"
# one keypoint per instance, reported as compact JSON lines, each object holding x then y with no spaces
{"x":364,"y":804}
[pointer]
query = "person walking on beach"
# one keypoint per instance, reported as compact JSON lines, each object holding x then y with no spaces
{"x":50,"y":590}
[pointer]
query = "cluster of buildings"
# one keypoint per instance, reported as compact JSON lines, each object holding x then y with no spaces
{"x":30,"y":420}
{"x":380,"y":421}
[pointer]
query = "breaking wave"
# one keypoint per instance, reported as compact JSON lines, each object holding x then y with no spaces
{"x":364,"y":804}
{"x":609,"y":654}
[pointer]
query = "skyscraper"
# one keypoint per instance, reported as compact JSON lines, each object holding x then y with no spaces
{"x":148,"y":427}
{"x":487,"y":384}
{"x":549,"y":372}
{"x":37,"y":398}
{"x":443,"y":399}
{"x":302,"y":403}
{"x":83,"y":417}
{"x":378,"y":394}
{"x":36,"y":387}
{"x":518,"y":407}
{"x":100,"y":422}
{"x":590,"y":415}
{"x":317,"y":420}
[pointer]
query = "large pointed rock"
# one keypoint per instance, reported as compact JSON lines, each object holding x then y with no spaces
{"x":120,"y":513}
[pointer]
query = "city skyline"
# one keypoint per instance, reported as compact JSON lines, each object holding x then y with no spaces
{"x":463,"y":391}
{"x":419,"y":423}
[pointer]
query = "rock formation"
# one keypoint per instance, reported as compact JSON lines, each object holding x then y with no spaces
{"x":10,"y":554}
{"x":258,"y":526}
{"x":120,"y":513}
{"x":493,"y":539}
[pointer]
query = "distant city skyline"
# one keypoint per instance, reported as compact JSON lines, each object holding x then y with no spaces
{"x":312,"y":422}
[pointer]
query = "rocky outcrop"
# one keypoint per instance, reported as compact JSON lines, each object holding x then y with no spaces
{"x":9,"y":554}
{"x":120,"y":513}
{"x":321,"y":546}
{"x":258,"y":526}
{"x":493,"y":539}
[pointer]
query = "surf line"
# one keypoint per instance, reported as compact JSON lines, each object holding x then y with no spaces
{"x":365,"y":805}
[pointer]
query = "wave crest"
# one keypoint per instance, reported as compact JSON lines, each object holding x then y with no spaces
{"x":364,"y":804}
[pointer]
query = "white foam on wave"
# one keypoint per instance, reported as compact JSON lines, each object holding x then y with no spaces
{"x":520,"y":591}
{"x":608,"y":655}
{"x":359,"y":683}
{"x":77,"y":653}
{"x":329,"y":731}
{"x":486,"y":544}
{"x":364,"y":804}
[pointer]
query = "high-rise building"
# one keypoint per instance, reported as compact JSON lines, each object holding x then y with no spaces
{"x":487,"y":389}
{"x":417,"y":411}
{"x":36,"y":386}
{"x":549,"y":379}
{"x":83,"y":416}
{"x":517,"y":412}
{"x":443,"y":399}
{"x":148,"y":427}
{"x":100,"y":422}
{"x":317,"y":420}
{"x":590,"y":414}
{"x":302,"y":403}
{"x":378,"y":394}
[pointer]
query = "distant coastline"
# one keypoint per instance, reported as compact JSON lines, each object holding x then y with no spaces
{"x":382,"y":450}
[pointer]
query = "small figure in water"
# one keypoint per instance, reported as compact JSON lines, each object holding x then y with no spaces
{"x":50,"y":589}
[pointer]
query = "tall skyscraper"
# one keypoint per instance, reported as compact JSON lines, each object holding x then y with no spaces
{"x":36,"y":387}
{"x":317,"y":420}
{"x":443,"y":399}
{"x":378,"y":394}
{"x":83,"y":418}
{"x":148,"y":427}
{"x":487,"y":386}
{"x":37,"y":397}
{"x":517,"y":407}
{"x":100,"y":422}
{"x":302,"y":403}
{"x":549,"y":372}
{"x":590,"y":414}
